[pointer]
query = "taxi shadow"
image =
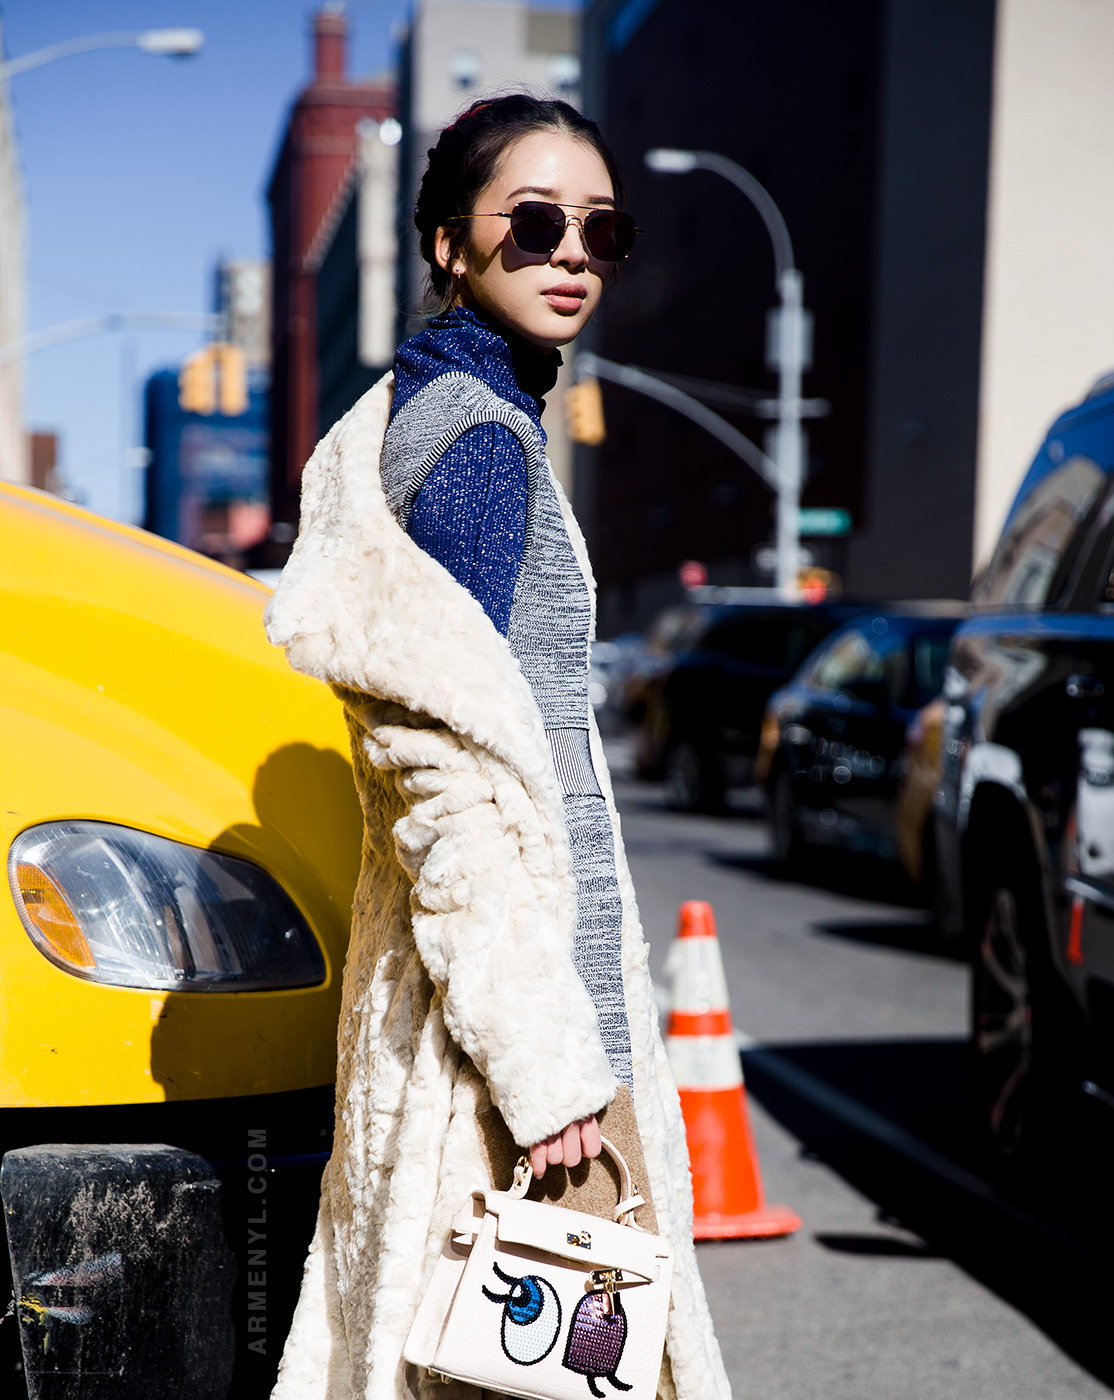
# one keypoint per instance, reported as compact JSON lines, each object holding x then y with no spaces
{"x":289,"y":1130}
{"x":289,"y":786}
{"x":1036,"y":1244}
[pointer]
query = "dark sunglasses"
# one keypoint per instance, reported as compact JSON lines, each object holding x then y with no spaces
{"x":538,"y":227}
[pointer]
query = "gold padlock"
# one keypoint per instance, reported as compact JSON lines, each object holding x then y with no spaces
{"x":606,"y":1281}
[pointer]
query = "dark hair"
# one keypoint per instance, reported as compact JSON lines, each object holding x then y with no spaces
{"x":467,"y":155}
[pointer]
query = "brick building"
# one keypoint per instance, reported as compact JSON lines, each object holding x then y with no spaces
{"x":316,"y":152}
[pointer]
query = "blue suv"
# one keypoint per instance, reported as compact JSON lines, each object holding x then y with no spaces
{"x":1025,"y":808}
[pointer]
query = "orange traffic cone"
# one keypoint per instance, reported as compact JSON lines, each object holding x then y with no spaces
{"x":728,"y":1199}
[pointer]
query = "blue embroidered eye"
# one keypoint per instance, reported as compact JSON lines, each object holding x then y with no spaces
{"x":531,"y":1317}
{"x":526,"y":1301}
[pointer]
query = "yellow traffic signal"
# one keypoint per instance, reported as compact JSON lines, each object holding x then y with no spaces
{"x":214,"y":380}
{"x":232,"y":369}
{"x":197,"y":384}
{"x":584,"y":413}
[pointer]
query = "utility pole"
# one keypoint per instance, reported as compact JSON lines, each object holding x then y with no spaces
{"x":788,"y":348}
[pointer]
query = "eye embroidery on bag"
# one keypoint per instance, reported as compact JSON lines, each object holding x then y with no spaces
{"x":532,"y":1322}
{"x":531,"y":1317}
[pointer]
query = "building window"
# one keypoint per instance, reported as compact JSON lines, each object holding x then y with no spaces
{"x":564,"y":72}
{"x":464,"y":68}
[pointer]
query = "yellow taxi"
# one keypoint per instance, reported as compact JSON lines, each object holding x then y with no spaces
{"x":182,"y":840}
{"x":181,"y":827}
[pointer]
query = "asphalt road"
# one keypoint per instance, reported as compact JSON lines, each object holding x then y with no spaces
{"x":918,"y":1273}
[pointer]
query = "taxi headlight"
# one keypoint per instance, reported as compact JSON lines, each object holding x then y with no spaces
{"x":116,"y":905}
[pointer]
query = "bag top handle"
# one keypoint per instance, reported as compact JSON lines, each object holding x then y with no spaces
{"x":629,"y":1199}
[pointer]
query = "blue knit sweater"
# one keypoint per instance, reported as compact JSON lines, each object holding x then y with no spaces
{"x":464,"y":470}
{"x":471,"y":512}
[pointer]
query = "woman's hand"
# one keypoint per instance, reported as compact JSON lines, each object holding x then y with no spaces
{"x":581,"y":1139}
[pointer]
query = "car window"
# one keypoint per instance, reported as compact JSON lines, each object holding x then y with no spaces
{"x":851,"y":657}
{"x":1092,"y":582}
{"x":930,"y":656}
{"x":781,"y":640}
{"x":1039,"y":536}
{"x":674,"y":629}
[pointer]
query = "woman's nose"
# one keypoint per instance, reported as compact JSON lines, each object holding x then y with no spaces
{"x":571,"y":252}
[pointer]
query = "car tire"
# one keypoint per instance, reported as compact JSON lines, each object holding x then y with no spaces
{"x":1026,"y":1036}
{"x":693,"y":782}
{"x":786,"y":843}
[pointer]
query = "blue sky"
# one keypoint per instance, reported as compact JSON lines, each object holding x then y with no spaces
{"x":139,"y":172}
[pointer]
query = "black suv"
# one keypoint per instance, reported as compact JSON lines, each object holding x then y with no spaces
{"x":1025,"y":809}
{"x":703,"y":714}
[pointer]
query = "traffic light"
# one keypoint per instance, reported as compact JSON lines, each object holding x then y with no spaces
{"x":214,"y":380}
{"x":816,"y":585}
{"x":584,"y":413}
{"x":197,"y":384}
{"x":232,"y":372}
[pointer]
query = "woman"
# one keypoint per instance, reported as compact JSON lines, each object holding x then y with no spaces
{"x":496,"y":996}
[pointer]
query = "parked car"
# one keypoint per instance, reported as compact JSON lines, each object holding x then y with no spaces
{"x":647,"y":659}
{"x":611,"y":662}
{"x":182,"y":841}
{"x":1025,"y":816}
{"x":703,"y":713}
{"x":833,"y":740}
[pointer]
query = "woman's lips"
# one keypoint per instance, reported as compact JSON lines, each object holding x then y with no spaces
{"x":567,"y":297}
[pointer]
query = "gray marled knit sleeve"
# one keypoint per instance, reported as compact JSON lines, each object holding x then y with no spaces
{"x":455,"y":481}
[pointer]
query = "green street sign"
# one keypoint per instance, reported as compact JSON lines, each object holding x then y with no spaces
{"x":825,"y":520}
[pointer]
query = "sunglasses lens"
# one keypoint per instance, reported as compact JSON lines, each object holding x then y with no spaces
{"x":537,"y":227}
{"x":609,"y":234}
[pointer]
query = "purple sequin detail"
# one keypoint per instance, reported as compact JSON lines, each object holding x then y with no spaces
{"x":596,"y":1337}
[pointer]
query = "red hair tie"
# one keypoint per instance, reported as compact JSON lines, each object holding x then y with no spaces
{"x":471,"y":112}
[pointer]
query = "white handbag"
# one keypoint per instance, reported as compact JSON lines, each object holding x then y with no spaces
{"x":546,"y":1303}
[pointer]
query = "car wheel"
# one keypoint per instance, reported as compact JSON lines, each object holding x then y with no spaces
{"x":692,"y":781}
{"x":1024,"y":1034}
{"x":785,"y":832}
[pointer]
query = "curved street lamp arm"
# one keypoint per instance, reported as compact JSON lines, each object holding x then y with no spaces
{"x":174,"y":42}
{"x":759,"y":196}
{"x":669,"y":394}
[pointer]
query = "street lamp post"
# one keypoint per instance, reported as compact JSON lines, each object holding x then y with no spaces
{"x":167,"y":43}
{"x":788,"y":347}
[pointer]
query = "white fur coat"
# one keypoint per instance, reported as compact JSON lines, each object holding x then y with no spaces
{"x":459,"y":987}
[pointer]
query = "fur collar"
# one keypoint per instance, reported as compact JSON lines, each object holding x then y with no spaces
{"x":361,"y":606}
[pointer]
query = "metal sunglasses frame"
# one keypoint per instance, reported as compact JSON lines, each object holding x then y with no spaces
{"x":569,"y":219}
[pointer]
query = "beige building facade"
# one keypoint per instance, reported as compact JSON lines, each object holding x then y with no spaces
{"x":1048,"y":310}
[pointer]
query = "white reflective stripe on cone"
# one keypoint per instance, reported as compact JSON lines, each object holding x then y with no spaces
{"x":704,"y":1061}
{"x":695,"y":969}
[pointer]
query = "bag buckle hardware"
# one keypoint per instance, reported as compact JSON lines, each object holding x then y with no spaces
{"x":606,"y":1281}
{"x":582,"y":1241}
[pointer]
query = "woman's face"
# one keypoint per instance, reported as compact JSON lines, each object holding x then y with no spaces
{"x":547,"y":300}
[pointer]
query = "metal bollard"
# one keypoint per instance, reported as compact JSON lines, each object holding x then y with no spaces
{"x":123,"y":1276}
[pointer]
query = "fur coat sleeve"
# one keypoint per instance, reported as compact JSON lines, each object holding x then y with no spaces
{"x":413,"y":656}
